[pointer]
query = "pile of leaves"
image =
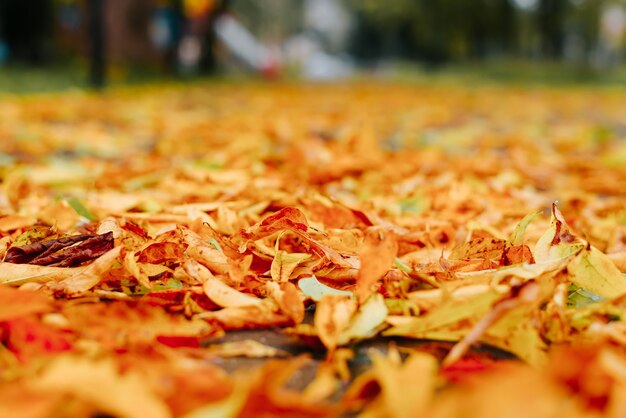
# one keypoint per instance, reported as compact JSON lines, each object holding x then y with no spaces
{"x":434,"y":251}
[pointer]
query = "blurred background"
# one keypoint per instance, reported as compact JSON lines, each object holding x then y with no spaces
{"x":45,"y":44}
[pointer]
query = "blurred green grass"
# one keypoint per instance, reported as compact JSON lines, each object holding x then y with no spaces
{"x":21,"y":79}
{"x":515,"y":72}
{"x":15,"y":79}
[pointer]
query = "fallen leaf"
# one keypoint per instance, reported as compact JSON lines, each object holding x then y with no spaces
{"x":285,"y":263}
{"x":225,"y":296}
{"x":246,"y":348}
{"x":377,"y":256}
{"x":89,"y":276}
{"x":124,"y":395}
{"x":20,"y":303}
{"x":312,"y":288}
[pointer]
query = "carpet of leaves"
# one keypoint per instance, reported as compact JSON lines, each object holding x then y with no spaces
{"x":140,"y":227}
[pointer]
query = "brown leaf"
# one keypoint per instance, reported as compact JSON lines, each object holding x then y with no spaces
{"x":479,"y":248}
{"x":28,"y":253}
{"x":62,"y":252}
{"x":161,"y":252}
{"x":517,"y":254}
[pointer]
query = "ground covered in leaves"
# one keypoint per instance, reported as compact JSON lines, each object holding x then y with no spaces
{"x":383,"y":250}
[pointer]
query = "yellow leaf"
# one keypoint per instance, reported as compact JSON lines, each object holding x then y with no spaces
{"x":200,"y":251}
{"x":593,"y":270}
{"x":450,"y":311}
{"x":557,"y":242}
{"x":285,"y":263}
{"x":225,"y":408}
{"x":132,"y":267}
{"x":517,"y":236}
{"x":312,"y":288}
{"x":100,"y":383}
{"x":368,"y":318}
{"x":225,"y":296}
{"x":245,"y":348}
{"x":18,"y":274}
{"x":587,"y":267}
{"x":406,"y":389}
{"x":90,"y":275}
{"x":60,"y":214}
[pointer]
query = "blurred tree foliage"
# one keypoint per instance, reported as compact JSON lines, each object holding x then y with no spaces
{"x":443,"y":30}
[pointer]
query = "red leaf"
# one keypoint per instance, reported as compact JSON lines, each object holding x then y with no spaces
{"x":135,"y":229}
{"x":464,"y":370}
{"x":175,"y":341}
{"x":28,"y":338}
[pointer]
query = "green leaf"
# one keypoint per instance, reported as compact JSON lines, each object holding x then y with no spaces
{"x":215,"y":244}
{"x":6,"y":160}
{"x":79,"y":208}
{"x":402,"y":307}
{"x":34,"y":234}
{"x":402,"y":266}
{"x":150,"y":206}
{"x":141,"y":182}
{"x":517,"y":236}
{"x":579,"y":297}
{"x":170,"y":284}
{"x":173,"y":284}
{"x":415,"y":205}
{"x":312,"y":288}
{"x":586,"y":315}
{"x":206,"y":165}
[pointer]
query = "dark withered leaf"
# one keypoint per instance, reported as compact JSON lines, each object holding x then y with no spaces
{"x":89,"y":249}
{"x":63,"y":252}
{"x":25,"y":254}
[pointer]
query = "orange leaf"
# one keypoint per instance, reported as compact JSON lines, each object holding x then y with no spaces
{"x":377,"y":256}
{"x":19,"y":303}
